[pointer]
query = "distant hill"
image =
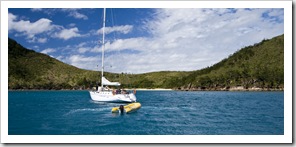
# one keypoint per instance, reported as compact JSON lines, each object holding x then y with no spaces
{"x":260,"y":65}
{"x":28,"y":69}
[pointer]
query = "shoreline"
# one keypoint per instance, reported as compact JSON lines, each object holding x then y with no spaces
{"x":151,"y":89}
{"x":238,"y":88}
{"x":160,"y":89}
{"x":245,"y":90}
{"x":138,"y":89}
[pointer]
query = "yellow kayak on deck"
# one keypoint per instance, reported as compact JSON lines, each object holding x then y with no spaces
{"x":127,"y":108}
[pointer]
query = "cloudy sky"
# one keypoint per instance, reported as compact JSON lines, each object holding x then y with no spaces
{"x":143,"y":40}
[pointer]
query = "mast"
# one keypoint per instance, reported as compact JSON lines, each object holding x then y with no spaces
{"x":103,"y":47}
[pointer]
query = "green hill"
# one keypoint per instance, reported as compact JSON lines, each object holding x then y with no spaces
{"x":260,"y":65}
{"x":28,"y":69}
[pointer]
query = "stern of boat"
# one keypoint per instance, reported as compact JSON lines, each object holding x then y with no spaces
{"x":132,"y":97}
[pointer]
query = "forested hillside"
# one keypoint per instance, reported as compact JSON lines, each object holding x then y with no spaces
{"x":258,"y":66}
{"x":28,"y":69}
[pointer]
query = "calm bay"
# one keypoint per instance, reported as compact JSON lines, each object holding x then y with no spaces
{"x":162,"y":113}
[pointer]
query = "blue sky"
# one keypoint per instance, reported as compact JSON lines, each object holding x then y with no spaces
{"x":143,"y":40}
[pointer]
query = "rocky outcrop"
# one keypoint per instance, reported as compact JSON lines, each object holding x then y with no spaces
{"x":234,"y":88}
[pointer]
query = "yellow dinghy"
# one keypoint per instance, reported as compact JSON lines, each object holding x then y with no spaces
{"x":127,"y":108}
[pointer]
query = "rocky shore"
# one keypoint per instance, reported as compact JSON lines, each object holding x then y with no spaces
{"x":234,"y":88}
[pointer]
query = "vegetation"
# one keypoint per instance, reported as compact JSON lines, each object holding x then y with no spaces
{"x":260,"y":65}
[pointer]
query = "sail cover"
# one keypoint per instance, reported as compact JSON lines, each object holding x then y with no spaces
{"x":106,"y":82}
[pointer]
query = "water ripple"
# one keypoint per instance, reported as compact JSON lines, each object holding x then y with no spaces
{"x":87,"y":110}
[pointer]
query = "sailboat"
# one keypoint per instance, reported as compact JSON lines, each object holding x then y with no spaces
{"x":105,"y":94}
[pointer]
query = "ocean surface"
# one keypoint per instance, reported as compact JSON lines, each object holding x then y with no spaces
{"x":162,"y":113}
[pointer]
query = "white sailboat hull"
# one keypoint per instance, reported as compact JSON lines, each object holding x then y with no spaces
{"x":106,"y":96}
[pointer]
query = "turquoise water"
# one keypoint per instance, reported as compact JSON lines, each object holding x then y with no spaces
{"x":162,"y":113}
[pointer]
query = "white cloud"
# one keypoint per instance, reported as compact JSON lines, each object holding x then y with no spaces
{"x":41,"y":27}
{"x":36,"y":47}
{"x":191,"y":39}
{"x":30,"y":29}
{"x":72,"y":12}
{"x":11,"y":19}
{"x":67,"y":33}
{"x":34,"y":39}
{"x":179,"y":39}
{"x":72,"y":25}
{"x":83,"y":49}
{"x":81,"y":61}
{"x":121,"y":29}
{"x":121,"y":44}
{"x":48,"y":50}
{"x":60,"y":58}
{"x":78,"y":15}
{"x":36,"y":9}
{"x":42,"y":40}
